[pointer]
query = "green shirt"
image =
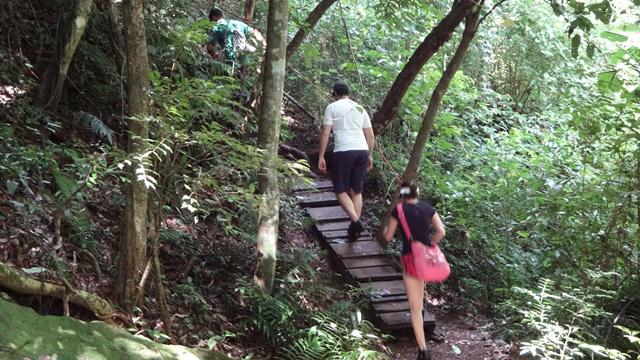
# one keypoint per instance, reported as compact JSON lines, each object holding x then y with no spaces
{"x":222,"y":35}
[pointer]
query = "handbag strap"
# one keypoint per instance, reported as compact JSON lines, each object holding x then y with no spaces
{"x":403,"y":222}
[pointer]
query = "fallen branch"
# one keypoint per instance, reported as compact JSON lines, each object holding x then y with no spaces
{"x":143,"y":281}
{"x":94,"y":263}
{"x":16,"y":281}
{"x":296,"y":103}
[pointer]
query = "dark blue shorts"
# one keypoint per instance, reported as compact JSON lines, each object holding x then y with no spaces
{"x":349,"y":169}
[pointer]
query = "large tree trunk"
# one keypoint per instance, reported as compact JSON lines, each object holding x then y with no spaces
{"x":411,"y":171}
{"x":268,"y":136}
{"x":431,"y":44}
{"x":308,"y":25}
{"x":249,"y":9}
{"x":133,"y":241}
{"x":52,"y":84}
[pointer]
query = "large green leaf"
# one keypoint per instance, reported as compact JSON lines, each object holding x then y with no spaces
{"x":610,"y":35}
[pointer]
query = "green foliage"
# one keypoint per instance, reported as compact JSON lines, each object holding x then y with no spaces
{"x":561,"y":321}
{"x":339,"y":332}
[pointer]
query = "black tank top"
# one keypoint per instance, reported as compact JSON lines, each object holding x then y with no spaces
{"x":418,"y":217}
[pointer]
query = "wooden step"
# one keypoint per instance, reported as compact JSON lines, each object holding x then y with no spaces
{"x":369,"y":261}
{"x":384,"y":288}
{"x":328,"y":213}
{"x":314,"y":185}
{"x":318,"y":199}
{"x":345,"y":240}
{"x":380,"y":273}
{"x":333,"y":234}
{"x":391,"y":306}
{"x":334,"y":225}
{"x":402,"y":320}
{"x":356,"y":249}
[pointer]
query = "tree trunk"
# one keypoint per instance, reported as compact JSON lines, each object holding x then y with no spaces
{"x":115,"y":33}
{"x":249,"y":9}
{"x":268,"y":136}
{"x":431,"y":44}
{"x":133,"y":241}
{"x":308,"y":25}
{"x":411,"y":171}
{"x":470,"y":27}
{"x":50,"y":91}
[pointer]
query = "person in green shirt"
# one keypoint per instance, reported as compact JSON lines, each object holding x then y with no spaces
{"x":229,"y":38}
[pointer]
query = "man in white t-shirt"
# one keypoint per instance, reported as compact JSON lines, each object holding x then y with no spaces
{"x":353,"y":145}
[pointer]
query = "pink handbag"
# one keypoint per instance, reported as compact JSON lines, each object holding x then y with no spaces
{"x":429,"y":261}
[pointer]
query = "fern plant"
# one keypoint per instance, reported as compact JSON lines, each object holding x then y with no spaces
{"x":560,"y":319}
{"x":336,"y":336}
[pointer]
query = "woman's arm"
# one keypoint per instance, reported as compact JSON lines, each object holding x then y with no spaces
{"x":438,"y":228}
{"x":390,"y":229}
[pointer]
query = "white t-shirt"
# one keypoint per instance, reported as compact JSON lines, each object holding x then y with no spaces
{"x":348,"y":119}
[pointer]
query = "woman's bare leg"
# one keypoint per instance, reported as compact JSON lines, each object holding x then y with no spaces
{"x":415,"y":294}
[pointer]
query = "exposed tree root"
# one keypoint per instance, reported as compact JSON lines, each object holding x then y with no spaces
{"x":15,"y":281}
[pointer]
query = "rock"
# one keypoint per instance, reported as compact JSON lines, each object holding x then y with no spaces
{"x":25,"y":334}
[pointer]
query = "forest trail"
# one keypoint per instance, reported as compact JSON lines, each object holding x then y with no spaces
{"x":465,"y":335}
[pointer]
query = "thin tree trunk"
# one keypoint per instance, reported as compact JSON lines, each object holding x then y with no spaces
{"x":115,"y":33}
{"x":133,"y":241}
{"x":411,"y":171}
{"x":470,"y":28}
{"x":431,"y":44}
{"x":314,"y":16}
{"x":249,"y":10}
{"x":268,"y":136}
{"x":50,"y":91}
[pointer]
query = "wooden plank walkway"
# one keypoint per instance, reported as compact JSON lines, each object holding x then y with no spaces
{"x":361,"y":262}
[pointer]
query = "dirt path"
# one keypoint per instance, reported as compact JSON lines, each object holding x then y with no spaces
{"x":466,"y":337}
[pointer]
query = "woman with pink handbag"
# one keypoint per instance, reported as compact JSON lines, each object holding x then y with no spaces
{"x":422,"y":260}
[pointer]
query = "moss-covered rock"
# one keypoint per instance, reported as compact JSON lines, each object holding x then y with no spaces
{"x":25,"y":334}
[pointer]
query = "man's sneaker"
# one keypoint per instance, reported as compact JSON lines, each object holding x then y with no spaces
{"x":354,"y":230}
{"x":358,"y":227}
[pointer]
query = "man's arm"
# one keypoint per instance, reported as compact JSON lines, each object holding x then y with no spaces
{"x":257,"y":37}
{"x":371,"y":141}
{"x":324,"y":140}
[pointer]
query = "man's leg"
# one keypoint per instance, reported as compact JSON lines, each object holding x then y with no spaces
{"x":348,"y":205}
{"x":356,"y":198}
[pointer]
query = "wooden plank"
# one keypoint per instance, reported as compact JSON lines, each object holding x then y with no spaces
{"x":332,"y":234}
{"x":382,"y":273}
{"x":383,"y":299}
{"x":356,"y":249}
{"x":345,"y":240}
{"x":391,"y":306}
{"x":317,"y":184}
{"x":385,"y":288}
{"x":317,"y":199}
{"x":365,"y":262}
{"x":335,"y":225}
{"x":395,"y":320}
{"x":328,"y":213}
